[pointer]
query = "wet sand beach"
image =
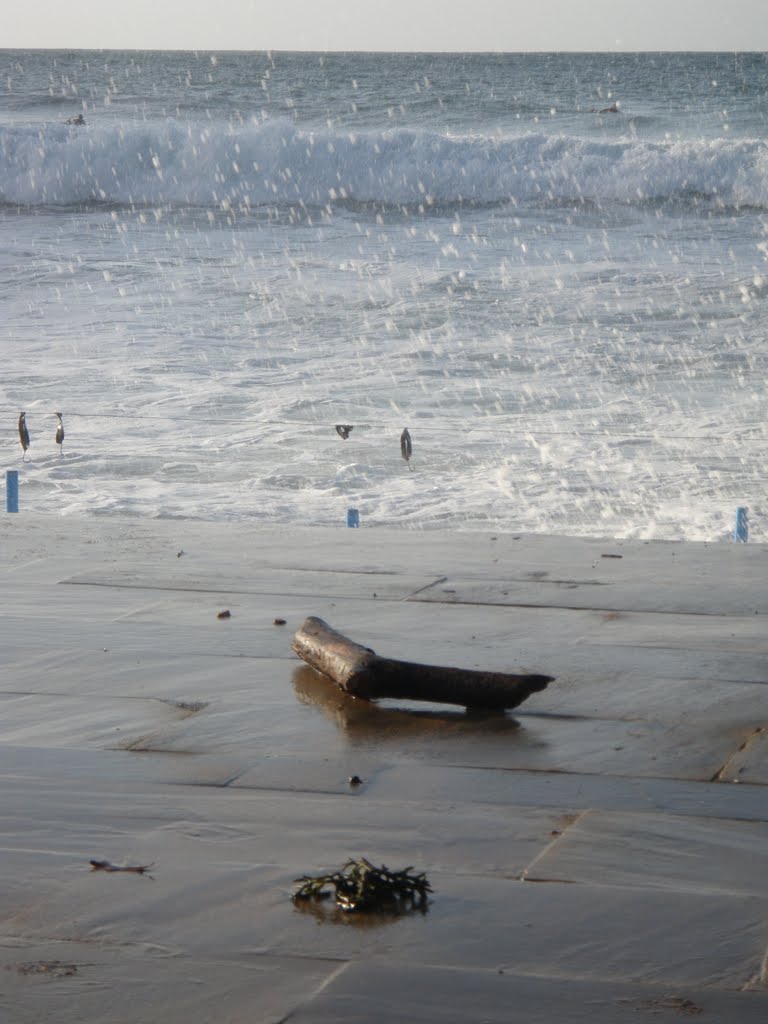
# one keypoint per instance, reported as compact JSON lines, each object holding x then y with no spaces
{"x":597,"y":854}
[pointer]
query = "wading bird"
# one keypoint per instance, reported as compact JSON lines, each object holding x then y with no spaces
{"x":23,"y":435}
{"x":344,"y":430}
{"x":406,"y":447}
{"x":60,"y":434}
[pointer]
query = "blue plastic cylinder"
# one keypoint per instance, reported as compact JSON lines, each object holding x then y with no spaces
{"x":353,"y":518}
{"x":741,"y":529}
{"x":11,"y":490}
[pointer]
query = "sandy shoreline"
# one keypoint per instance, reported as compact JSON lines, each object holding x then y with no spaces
{"x":591,"y":854}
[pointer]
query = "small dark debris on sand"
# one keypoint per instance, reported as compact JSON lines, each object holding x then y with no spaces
{"x":226,"y":614}
{"x":52,"y":968}
{"x":135,"y":869}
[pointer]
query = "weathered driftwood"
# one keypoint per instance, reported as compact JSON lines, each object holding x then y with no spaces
{"x":360,"y":672}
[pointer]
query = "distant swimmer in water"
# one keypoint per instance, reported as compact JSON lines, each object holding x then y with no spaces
{"x":79,"y":119}
{"x":613,"y":109}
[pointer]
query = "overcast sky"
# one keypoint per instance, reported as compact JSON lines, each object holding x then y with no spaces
{"x":509,"y":25}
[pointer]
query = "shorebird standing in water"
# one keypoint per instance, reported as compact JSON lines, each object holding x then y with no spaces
{"x":406,"y":447}
{"x":23,"y":435}
{"x":60,"y":434}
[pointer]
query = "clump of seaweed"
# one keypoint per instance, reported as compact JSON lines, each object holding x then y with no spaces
{"x":363,"y":888}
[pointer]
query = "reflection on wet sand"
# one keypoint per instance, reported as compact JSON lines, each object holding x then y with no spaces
{"x":368,"y":721}
{"x":329,"y":913}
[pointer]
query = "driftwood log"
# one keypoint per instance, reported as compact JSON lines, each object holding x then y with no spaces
{"x":360,"y":672}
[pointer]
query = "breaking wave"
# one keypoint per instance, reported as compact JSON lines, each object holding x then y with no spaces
{"x":275,"y":162}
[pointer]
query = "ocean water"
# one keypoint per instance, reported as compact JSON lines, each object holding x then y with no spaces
{"x":567,"y":309}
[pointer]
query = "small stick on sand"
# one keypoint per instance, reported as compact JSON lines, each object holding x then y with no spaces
{"x":136,"y":869}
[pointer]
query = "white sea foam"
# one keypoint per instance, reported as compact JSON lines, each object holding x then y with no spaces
{"x":277,"y":163}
